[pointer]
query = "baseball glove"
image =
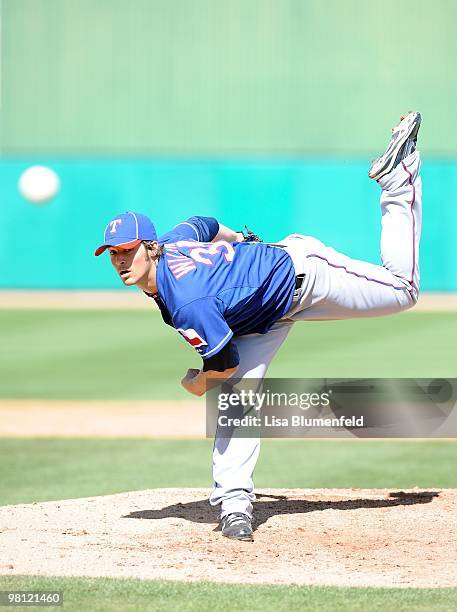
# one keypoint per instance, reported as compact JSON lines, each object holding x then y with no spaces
{"x":249,"y":236}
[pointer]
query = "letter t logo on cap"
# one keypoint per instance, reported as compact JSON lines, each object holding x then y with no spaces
{"x":114,"y":224}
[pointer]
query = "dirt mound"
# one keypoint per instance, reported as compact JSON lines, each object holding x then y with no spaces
{"x":335,"y":537}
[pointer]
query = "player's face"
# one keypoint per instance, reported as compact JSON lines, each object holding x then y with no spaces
{"x":132,"y":265}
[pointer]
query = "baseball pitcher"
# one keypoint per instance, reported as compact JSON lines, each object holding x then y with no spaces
{"x":234,"y":298}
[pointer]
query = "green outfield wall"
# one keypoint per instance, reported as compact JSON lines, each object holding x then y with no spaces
{"x":222,"y":77}
{"x":52,"y":246}
{"x":265,"y":112}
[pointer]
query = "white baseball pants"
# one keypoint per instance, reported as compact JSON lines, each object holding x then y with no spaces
{"x":335,"y":287}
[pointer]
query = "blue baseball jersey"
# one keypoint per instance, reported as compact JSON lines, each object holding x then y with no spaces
{"x":214,"y":290}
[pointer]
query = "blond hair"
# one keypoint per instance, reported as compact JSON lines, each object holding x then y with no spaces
{"x":153,"y":245}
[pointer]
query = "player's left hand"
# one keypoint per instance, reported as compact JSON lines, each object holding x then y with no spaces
{"x":249,"y":236}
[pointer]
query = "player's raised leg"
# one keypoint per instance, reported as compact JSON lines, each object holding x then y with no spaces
{"x":338,"y":287}
{"x":401,"y":205}
{"x":401,"y":201}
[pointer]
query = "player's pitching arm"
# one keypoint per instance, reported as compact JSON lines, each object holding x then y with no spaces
{"x":198,"y":382}
{"x":216,"y":369}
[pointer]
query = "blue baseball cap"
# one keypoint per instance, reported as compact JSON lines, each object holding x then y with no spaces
{"x":126,"y":231}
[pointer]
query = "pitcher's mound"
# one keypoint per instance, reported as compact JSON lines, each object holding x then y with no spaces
{"x":309,"y":537}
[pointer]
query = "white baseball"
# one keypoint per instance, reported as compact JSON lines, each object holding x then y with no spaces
{"x":38,"y":184}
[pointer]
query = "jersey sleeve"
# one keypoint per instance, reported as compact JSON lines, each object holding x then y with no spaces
{"x":201,"y":229}
{"x":224,"y":359}
{"x":202,"y":324}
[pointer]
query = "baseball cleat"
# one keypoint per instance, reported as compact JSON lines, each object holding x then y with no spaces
{"x":402,"y":144}
{"x":237,"y":526}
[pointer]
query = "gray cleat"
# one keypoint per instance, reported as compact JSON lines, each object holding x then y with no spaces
{"x":237,"y":526}
{"x":402,"y":144}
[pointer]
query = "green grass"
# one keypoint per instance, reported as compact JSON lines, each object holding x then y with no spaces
{"x":101,"y":594}
{"x":133,"y":355}
{"x":50,"y":469}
